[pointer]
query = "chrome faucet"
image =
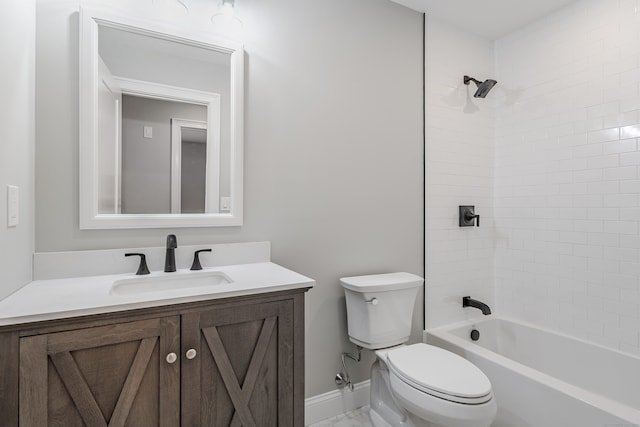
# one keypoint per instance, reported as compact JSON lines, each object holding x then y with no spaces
{"x":469,"y":302}
{"x":170,"y":257}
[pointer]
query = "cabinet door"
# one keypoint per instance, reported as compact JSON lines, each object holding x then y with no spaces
{"x":115,"y":375}
{"x":243,"y":371}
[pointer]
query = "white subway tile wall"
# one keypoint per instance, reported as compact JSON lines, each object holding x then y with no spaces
{"x":567,"y":178}
{"x":459,"y":171}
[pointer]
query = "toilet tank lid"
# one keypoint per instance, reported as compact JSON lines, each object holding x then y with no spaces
{"x":381,"y":282}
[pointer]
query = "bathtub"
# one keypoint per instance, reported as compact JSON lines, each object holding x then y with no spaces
{"x":545,"y":379}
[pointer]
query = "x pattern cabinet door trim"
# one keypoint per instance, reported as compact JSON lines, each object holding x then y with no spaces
{"x":204,"y":329}
{"x":240,"y":395}
{"x":36,"y":351}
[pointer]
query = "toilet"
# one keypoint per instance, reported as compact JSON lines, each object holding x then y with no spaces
{"x":416,"y":385}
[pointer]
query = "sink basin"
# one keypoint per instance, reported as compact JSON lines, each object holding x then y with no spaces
{"x":169,"y":282}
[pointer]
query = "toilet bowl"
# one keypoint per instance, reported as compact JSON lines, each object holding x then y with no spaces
{"x":416,"y":385}
{"x":439,"y":387}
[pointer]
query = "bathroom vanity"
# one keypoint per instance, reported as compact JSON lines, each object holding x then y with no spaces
{"x":225,"y":357}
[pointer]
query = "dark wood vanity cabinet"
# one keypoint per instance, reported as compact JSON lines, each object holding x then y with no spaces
{"x":231,"y":362}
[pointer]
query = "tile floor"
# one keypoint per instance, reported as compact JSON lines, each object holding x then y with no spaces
{"x":357,"y":418}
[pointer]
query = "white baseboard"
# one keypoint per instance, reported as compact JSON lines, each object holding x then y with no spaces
{"x":328,"y":405}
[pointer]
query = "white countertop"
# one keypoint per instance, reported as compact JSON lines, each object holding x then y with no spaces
{"x":79,"y":296}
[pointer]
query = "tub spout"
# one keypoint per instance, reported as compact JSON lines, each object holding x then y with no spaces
{"x":469,"y":302}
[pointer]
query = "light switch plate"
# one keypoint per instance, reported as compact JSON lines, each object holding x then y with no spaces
{"x":225,"y":204}
{"x":13,"y":203}
{"x":147,"y":132}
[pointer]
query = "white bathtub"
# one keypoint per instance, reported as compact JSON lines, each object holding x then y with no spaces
{"x":544,"y":379}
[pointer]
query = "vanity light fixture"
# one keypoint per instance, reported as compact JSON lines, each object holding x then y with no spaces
{"x":225,"y":8}
{"x":225,"y":19}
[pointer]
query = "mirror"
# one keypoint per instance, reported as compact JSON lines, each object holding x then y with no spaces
{"x":160,"y":126}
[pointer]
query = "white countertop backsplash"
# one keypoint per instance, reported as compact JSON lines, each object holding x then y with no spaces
{"x":58,"y":265}
{"x":71,"y":284}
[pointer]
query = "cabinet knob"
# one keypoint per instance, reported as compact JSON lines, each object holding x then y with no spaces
{"x":171,"y":358}
{"x":191,"y":353}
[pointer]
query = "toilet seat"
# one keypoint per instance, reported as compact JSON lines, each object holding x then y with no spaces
{"x":439,"y":373}
{"x":438,"y":411}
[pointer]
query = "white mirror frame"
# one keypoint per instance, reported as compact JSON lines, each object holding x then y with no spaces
{"x":90,"y":218}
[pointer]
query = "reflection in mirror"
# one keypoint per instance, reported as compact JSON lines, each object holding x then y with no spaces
{"x":192,"y":143}
{"x":189,"y":168}
{"x":144,"y":110}
{"x":164,"y":144}
{"x":151,"y":154}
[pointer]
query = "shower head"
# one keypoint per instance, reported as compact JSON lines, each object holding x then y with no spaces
{"x":483,"y":87}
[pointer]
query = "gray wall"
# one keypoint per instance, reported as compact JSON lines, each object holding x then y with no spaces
{"x":333,"y":151}
{"x":17,"y":139}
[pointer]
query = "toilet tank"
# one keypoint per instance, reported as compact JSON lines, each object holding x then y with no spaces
{"x":380,"y":308}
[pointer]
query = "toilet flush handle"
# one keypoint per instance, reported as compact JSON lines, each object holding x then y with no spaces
{"x":373,"y":301}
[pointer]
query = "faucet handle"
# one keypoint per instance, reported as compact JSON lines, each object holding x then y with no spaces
{"x":142,"y":268}
{"x":470,"y":216}
{"x":196,"y":259}
{"x":467,"y":216}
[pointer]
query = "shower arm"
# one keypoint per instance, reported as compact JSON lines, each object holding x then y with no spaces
{"x":468,"y":79}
